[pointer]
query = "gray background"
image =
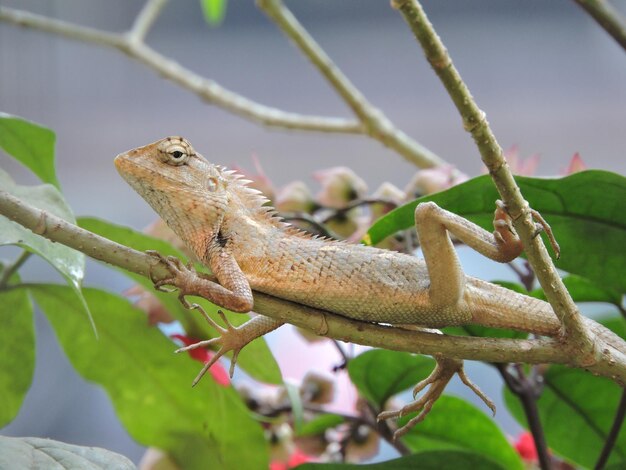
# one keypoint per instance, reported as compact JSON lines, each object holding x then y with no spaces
{"x":550,"y":80}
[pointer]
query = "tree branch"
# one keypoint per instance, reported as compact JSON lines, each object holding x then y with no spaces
{"x":533,"y":351}
{"x":374,"y":122}
{"x":607,"y":17}
{"x":371,"y":121}
{"x":131,"y":44}
{"x":145,"y":19}
{"x":475,"y":122}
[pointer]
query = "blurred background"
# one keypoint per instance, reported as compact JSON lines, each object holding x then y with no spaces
{"x":550,"y":80}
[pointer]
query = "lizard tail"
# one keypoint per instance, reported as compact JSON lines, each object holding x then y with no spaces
{"x":499,"y":307}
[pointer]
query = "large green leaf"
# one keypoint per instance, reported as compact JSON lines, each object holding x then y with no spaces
{"x":585,"y":211}
{"x":68,"y":262}
{"x":379,"y":374}
{"x":17,"y":351}
{"x":584,"y":290}
{"x":576,"y":411}
{"x":30,"y":144}
{"x":256,"y":358}
{"x":34,"y":453}
{"x":431,"y":460}
{"x":456,"y":424}
{"x":202,"y":427}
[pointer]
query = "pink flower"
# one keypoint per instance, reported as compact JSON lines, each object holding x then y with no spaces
{"x":525,"y":447}
{"x":433,"y":180}
{"x":204,"y":355}
{"x":259,"y":180}
{"x":340,"y":185}
{"x":521,"y":166}
{"x":576,"y":164}
{"x":295,"y":197}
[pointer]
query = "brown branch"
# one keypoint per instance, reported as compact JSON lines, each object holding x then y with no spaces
{"x":374,"y":122}
{"x":371,"y":121}
{"x":475,"y":122}
{"x":611,"y":439}
{"x":528,"y":391}
{"x":132,"y":44}
{"x":531,"y":351}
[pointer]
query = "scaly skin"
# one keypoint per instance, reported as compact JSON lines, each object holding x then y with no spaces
{"x":247,"y":247}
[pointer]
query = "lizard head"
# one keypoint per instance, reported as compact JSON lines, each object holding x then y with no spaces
{"x":189,"y":193}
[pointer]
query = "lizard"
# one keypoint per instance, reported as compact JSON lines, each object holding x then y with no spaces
{"x":232,"y":231}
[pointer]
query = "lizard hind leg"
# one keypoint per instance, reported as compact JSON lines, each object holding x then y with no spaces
{"x":438,"y":379}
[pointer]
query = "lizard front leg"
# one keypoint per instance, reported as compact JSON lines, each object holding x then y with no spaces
{"x":447,"y":286}
{"x":233,"y":293}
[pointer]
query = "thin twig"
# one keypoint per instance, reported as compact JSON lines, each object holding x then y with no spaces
{"x":375,"y":123}
{"x":309,"y":219}
{"x":145,"y":19}
{"x":527,"y":277}
{"x":475,"y":122}
{"x":343,"y":355}
{"x":528,"y":391}
{"x":607,"y":17}
{"x":13,"y":267}
{"x":340,"y":212}
{"x":208,"y":90}
{"x":611,"y":439}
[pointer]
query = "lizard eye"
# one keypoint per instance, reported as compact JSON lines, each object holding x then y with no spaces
{"x":175,"y":155}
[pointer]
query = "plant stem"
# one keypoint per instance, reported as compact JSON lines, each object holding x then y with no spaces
{"x":531,"y":351}
{"x":12,"y":268}
{"x":528,"y":391}
{"x":611,"y":439}
{"x":607,"y":17}
{"x":374,"y":122}
{"x":132,"y":44}
{"x":475,"y":122}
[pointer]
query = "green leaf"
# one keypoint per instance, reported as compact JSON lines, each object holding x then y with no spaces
{"x":584,"y":290}
{"x":483,"y":332}
{"x":432,"y":460}
{"x":201,"y":427}
{"x":576,"y":411}
{"x":30,"y":144}
{"x":256,"y":358}
{"x":213,"y":11}
{"x":68,"y":262}
{"x":319,"y":424}
{"x":17,"y":351}
{"x":455,"y":424}
{"x":585,"y":211}
{"x":32,"y":453}
{"x":615,"y":324}
{"x":379,"y":374}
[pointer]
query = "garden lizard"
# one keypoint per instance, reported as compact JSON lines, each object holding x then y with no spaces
{"x":233,"y":232}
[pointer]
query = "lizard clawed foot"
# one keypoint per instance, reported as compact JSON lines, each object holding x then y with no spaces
{"x":230,"y":339}
{"x":181,"y":276}
{"x":505,"y":233}
{"x":438,"y":380}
